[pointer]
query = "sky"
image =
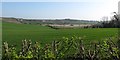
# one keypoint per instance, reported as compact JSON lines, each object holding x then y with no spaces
{"x":59,"y":0}
{"x":59,"y":9}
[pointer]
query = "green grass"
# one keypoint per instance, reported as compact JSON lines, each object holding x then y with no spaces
{"x":0,"y":38}
{"x":14,"y":33}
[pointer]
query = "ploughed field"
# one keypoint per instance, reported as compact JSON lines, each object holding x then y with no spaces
{"x":15,"y":33}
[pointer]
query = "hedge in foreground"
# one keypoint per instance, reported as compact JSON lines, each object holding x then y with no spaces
{"x":66,"y":49}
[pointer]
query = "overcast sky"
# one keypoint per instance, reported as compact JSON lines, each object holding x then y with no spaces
{"x":55,"y":9}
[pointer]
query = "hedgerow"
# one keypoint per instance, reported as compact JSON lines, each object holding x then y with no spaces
{"x":66,"y":49}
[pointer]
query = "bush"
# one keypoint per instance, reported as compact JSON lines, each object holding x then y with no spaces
{"x":66,"y":49}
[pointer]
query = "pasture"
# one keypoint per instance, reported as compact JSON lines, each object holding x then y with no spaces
{"x":14,"y":33}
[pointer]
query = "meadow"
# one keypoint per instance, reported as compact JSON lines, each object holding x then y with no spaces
{"x":0,"y":38}
{"x":14,"y":33}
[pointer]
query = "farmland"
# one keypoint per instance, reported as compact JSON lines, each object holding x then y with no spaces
{"x":14,"y":33}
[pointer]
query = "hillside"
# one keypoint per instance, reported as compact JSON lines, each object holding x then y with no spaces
{"x":47,"y":21}
{"x":12,"y":20}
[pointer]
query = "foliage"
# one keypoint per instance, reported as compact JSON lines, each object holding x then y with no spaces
{"x":66,"y":49}
{"x":113,"y":23}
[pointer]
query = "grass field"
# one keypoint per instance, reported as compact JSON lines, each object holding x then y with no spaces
{"x":14,"y":33}
{"x":0,"y":38}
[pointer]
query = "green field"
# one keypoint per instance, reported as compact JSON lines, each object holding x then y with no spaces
{"x":0,"y":38}
{"x":14,"y":33}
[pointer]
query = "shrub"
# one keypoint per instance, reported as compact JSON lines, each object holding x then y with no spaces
{"x":66,"y":49}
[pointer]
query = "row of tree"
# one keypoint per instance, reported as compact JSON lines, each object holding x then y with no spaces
{"x":113,"y":23}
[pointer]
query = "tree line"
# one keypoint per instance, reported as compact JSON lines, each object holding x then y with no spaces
{"x":113,"y":23}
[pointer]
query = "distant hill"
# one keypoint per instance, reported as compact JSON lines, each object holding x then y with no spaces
{"x":47,"y":21}
{"x":10,"y":19}
{"x":56,"y":21}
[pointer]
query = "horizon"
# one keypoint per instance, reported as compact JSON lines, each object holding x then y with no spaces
{"x":47,"y":19}
{"x":59,"y":10}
